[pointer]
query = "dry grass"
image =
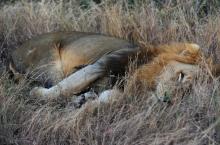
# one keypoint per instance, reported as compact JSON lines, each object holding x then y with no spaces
{"x":136,"y":117}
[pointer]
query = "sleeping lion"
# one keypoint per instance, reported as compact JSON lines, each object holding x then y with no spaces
{"x":68,"y":63}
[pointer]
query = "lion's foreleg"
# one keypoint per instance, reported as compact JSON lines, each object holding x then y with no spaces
{"x":114,"y":61}
{"x":73,"y":84}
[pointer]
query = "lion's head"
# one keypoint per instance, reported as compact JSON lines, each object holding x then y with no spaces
{"x":175,"y":76}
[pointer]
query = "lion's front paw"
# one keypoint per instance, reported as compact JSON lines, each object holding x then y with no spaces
{"x":38,"y":92}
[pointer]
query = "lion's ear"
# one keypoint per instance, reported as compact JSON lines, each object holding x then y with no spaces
{"x":191,"y":48}
{"x":195,"y":46}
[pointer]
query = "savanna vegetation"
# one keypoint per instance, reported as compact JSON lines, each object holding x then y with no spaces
{"x":136,"y":118}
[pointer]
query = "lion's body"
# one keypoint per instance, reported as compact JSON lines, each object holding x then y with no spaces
{"x":55,"y":56}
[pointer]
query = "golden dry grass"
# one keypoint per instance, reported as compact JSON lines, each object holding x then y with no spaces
{"x":136,"y":118}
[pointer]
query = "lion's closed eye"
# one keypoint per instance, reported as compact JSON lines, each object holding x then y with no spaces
{"x":184,"y":77}
{"x":181,"y":77}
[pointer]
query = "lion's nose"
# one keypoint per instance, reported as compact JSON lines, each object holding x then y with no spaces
{"x":166,"y":97}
